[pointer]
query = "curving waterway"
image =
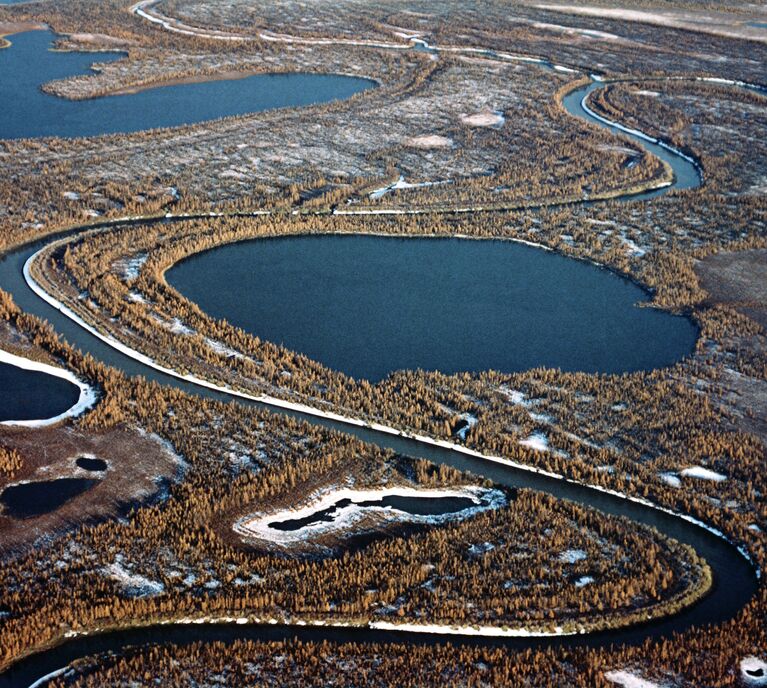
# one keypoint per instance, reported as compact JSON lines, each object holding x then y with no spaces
{"x":734,"y":577}
{"x":28,"y":112}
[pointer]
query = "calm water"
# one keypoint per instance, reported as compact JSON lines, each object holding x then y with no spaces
{"x":422,"y":506}
{"x":371,"y":305}
{"x":28,"y":112}
{"x":33,"y":499}
{"x":31,"y":395}
{"x":88,"y":463}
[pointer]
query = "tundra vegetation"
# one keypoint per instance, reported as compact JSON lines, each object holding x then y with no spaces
{"x":178,"y":556}
{"x":495,"y":129}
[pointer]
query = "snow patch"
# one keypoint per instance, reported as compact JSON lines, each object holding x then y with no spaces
{"x":537,"y":441}
{"x":703,"y":474}
{"x":133,"y":584}
{"x":488,"y":118}
{"x":753,"y":671}
{"x":572,"y":556}
{"x":129,"y":268}
{"x":430,"y":141}
{"x":628,"y":679}
{"x":671,"y":479}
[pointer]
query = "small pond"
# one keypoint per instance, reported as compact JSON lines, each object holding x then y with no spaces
{"x":32,"y":395}
{"x":26,"y":500}
{"x":420,"y":506}
{"x":91,"y":464}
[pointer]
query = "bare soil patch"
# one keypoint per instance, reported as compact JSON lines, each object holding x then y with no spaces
{"x":138,"y":464}
{"x":737,"y":279}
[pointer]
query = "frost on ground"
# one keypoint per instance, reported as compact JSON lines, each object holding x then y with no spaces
{"x":572,"y":556}
{"x":133,"y":584}
{"x":703,"y":474}
{"x":537,"y":441}
{"x":259,"y":526}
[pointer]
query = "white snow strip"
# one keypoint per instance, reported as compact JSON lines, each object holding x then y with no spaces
{"x":402,"y":184}
{"x":87,"y":398}
{"x":44,"y":679}
{"x":350,"y":420}
{"x":703,"y":474}
{"x":492,"y":631}
{"x":583,"y":581}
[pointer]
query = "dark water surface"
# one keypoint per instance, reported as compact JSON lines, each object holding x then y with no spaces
{"x":26,"y":500}
{"x":421,"y":506}
{"x":32,"y":395}
{"x":90,"y":464}
{"x":27,"y":112}
{"x":368,"y":306}
{"x":734,"y":579}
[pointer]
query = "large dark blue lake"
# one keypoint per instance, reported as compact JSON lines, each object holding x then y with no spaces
{"x":369,"y":305}
{"x":28,"y":112}
{"x":32,"y":395}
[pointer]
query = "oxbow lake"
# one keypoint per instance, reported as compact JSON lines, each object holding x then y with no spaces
{"x":369,"y":305}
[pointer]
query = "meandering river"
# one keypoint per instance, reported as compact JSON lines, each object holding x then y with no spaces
{"x":734,"y":577}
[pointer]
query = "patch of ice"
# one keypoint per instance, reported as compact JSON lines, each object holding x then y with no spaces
{"x":703,"y":474}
